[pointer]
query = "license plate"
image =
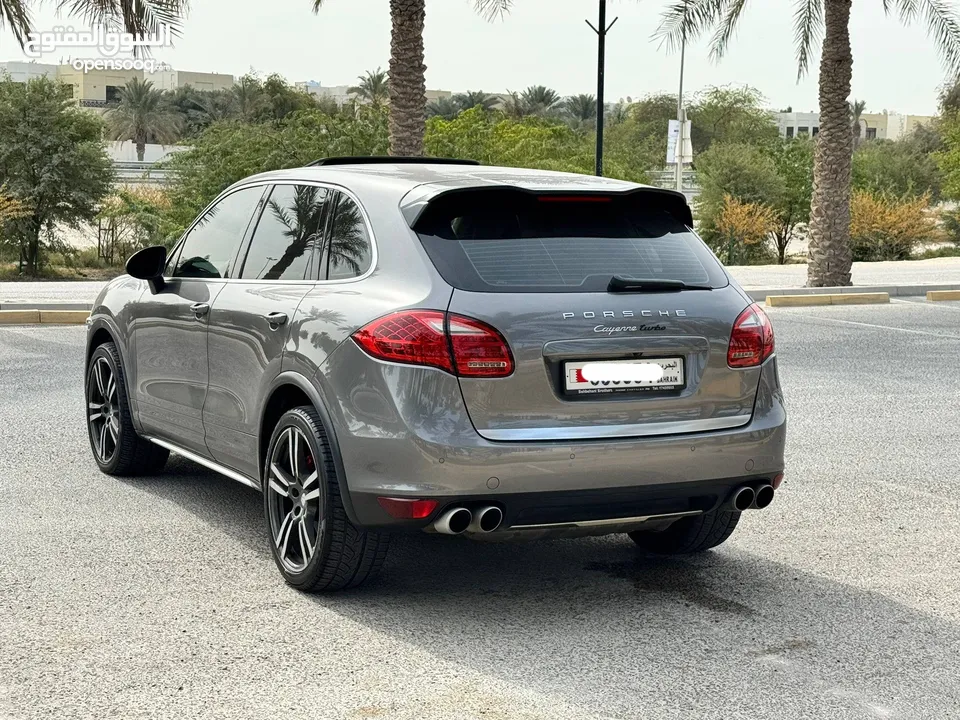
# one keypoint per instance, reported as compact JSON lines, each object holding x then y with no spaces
{"x":605,"y":377}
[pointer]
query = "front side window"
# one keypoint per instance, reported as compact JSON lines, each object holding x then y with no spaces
{"x":210,"y":247}
{"x":289,"y":230}
{"x":348,"y":253}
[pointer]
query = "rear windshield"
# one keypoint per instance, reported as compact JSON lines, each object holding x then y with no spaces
{"x":519,"y":242}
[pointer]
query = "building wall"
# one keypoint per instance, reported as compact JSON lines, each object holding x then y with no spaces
{"x":97,"y":87}
{"x":793,"y":124}
{"x":341,"y":93}
{"x":21,"y":72}
{"x":172,"y":79}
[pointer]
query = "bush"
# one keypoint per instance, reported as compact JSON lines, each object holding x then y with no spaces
{"x":885,"y":228}
{"x":743,"y":229}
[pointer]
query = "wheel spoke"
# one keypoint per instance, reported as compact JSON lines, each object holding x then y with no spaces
{"x":114,"y":427}
{"x":305,"y":545}
{"x":103,"y":442}
{"x":293,"y":443}
{"x":97,"y":411}
{"x":312,"y":495}
{"x":278,"y":488}
{"x":98,"y":376}
{"x":310,"y":480}
{"x":281,"y":475}
{"x":286,"y":529}
{"x":111,"y":387}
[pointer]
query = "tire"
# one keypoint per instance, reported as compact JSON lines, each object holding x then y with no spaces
{"x":116,"y":446}
{"x":689,"y":535}
{"x":316,"y":548}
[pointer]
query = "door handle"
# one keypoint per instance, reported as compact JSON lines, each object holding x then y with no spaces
{"x":200,"y":309}
{"x":277,"y":320}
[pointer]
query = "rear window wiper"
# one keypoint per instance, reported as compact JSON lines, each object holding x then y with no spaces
{"x":621,"y":284}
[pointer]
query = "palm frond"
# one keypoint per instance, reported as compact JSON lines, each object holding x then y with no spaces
{"x":490,"y":9}
{"x":944,"y":26}
{"x":317,"y":4}
{"x":137,"y":17}
{"x":686,"y":20}
{"x":15,"y":15}
{"x":909,"y":9}
{"x":807,"y":32}
{"x":726,"y":29}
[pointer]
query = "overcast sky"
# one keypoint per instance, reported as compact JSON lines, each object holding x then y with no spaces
{"x":541,"y":42}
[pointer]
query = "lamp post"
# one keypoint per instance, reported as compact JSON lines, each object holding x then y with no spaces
{"x":601,"y":30}
{"x":680,"y":116}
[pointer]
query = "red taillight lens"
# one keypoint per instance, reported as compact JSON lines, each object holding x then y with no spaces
{"x":751,"y":341}
{"x":408,"y":509}
{"x":415,"y":337}
{"x":478,"y":349}
{"x":427,"y":337}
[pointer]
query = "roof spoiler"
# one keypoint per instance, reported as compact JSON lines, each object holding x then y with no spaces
{"x":415,"y":204}
{"x":386,"y":160}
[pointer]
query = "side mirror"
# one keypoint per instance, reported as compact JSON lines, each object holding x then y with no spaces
{"x":148,"y":264}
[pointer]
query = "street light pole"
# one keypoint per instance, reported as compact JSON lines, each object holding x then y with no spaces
{"x":601,"y":32}
{"x":678,"y":156}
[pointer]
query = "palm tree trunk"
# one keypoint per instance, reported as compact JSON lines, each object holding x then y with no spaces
{"x":141,"y":142}
{"x":830,"y":254}
{"x":408,"y":89}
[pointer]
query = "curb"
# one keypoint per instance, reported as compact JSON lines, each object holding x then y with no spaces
{"x":824,"y":299}
{"x":43,"y":317}
{"x":761,"y":294}
{"x":46,"y":306}
{"x":938,"y":295}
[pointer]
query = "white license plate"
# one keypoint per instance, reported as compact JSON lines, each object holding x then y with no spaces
{"x":605,"y":377}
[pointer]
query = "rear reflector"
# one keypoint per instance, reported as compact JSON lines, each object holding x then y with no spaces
{"x":751,"y":341}
{"x":777,"y":481}
{"x":460,"y":345}
{"x":408,"y":509}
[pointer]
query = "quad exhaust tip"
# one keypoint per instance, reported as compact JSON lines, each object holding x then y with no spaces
{"x":742,"y":499}
{"x":454,"y":521}
{"x":763,"y":497}
{"x":486,"y":520}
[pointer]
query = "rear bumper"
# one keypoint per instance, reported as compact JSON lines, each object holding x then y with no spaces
{"x":418,"y":442}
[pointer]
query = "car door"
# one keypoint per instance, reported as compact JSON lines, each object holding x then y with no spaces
{"x":251,"y":317}
{"x":170,"y":326}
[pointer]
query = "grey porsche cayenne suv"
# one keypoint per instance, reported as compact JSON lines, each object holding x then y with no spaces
{"x":385,"y":345}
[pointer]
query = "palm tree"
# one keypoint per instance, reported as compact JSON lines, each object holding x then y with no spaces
{"x":140,"y":18}
{"x":856,"y":110}
{"x":515,"y":107}
{"x":447,"y":108}
{"x":540,"y":100}
{"x":815,"y":20}
{"x":408,"y":88}
{"x":581,"y":110}
{"x":143,"y":115}
{"x":475,"y":98}
{"x":250,"y":98}
{"x":374,"y":88}
{"x":618,"y":113}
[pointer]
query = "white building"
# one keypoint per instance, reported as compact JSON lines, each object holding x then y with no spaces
{"x":21,"y":72}
{"x":873,"y":126}
{"x":793,"y":124}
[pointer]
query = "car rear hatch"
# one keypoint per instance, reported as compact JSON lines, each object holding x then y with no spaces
{"x":618,"y":317}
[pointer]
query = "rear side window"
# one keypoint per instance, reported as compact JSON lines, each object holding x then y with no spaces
{"x":519,"y":242}
{"x":289,"y":230}
{"x":348,"y":253}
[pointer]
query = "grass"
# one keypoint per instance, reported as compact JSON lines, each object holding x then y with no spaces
{"x":945,"y":251}
{"x":9,"y":273}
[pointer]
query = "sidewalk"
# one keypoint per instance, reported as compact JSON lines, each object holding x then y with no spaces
{"x":913,"y":277}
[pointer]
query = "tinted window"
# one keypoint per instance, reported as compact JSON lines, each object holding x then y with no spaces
{"x":525,"y":243}
{"x":348,"y":253}
{"x":288,"y":231}
{"x":208,"y":251}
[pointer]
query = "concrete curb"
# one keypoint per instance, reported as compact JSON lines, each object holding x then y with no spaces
{"x":824,"y":299}
{"x":46,"y":306}
{"x":43,"y":317}
{"x":761,"y":294}
{"x":938,"y":295}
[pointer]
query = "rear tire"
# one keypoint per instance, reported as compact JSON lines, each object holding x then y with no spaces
{"x":689,"y":535}
{"x":117,"y":447}
{"x":312,"y":541}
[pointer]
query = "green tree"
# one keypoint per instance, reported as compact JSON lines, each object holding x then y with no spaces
{"x":473,"y":98}
{"x":444,"y":107}
{"x":374,"y":88}
{"x":794,"y":162}
{"x":143,"y":115}
{"x":249,"y":97}
{"x":281,"y":99}
{"x":857,"y":108}
{"x":581,"y":111}
{"x":815,"y":20}
{"x":52,"y":160}
{"x":728,"y":115}
{"x":898,"y":169}
{"x":540,"y":100}
{"x":745,"y":173}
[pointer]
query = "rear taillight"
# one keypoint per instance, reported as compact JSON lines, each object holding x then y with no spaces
{"x":751,"y":341}
{"x":460,"y":345}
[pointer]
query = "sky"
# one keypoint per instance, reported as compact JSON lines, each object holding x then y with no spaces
{"x":543,"y":42}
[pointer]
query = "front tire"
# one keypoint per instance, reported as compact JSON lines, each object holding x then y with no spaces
{"x":117,"y":447}
{"x":313,"y":543}
{"x":689,"y":535}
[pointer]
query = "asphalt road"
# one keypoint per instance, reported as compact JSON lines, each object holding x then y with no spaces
{"x":157,"y":598}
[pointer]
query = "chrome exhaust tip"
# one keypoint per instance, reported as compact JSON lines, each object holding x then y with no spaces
{"x":486,"y":520}
{"x":741,"y":499}
{"x":763,"y":497}
{"x":454,"y":521}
